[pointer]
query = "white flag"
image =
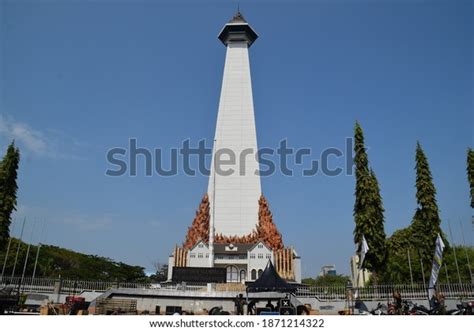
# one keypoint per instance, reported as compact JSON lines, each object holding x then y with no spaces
{"x":437,"y":260}
{"x":363,"y":250}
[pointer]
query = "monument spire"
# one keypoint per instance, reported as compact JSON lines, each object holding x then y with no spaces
{"x":234,"y":208}
{"x":234,"y":218}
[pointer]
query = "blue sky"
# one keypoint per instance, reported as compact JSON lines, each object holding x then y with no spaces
{"x":78,"y":78}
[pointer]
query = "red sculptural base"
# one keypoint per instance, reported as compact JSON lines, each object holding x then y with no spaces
{"x":265,"y":231}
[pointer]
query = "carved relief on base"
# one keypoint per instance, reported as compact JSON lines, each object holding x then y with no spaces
{"x":247,"y":239}
{"x":266,"y":230}
{"x":199,"y":229}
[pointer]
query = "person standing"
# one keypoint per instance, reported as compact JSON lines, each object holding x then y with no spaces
{"x":239,"y":304}
{"x":270,"y":305}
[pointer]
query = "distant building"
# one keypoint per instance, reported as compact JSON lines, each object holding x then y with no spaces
{"x":329,"y":269}
{"x":358,"y":277}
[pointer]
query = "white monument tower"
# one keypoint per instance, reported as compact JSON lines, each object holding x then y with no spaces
{"x":233,"y":227}
{"x":234,"y":197}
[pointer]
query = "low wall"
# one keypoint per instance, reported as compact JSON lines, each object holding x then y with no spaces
{"x":197,"y":301}
{"x":192,"y":301}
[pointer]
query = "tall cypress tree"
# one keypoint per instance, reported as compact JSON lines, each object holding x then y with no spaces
{"x":368,"y":208}
{"x":363,"y":184}
{"x":426,"y":221}
{"x":377,"y":253}
{"x":8,"y":190}
{"x":470,"y":173}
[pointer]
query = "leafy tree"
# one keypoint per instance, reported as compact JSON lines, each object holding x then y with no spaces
{"x":161,"y":273}
{"x":465,"y":256}
{"x":417,"y":240}
{"x":363,"y":184}
{"x":368,"y":207}
{"x":327,"y":280}
{"x":426,"y":221}
{"x":8,"y":190}
{"x":470,"y":173}
{"x":400,"y":240}
{"x":55,"y":261}
{"x":376,"y":255}
{"x":308,"y":281}
{"x":398,"y":267}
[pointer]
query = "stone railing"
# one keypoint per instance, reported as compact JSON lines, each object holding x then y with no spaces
{"x":322,"y":293}
{"x":384,"y":292}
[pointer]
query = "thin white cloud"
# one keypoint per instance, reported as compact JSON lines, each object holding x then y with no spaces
{"x":89,"y":223}
{"x":47,"y":219}
{"x":45,"y":143}
{"x":155,"y":224}
{"x":22,"y":133}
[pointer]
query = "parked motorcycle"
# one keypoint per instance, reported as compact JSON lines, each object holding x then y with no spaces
{"x":464,"y":308}
{"x":381,"y":309}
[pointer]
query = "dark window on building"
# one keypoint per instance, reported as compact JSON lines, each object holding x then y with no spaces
{"x":232,"y":274}
{"x":253,"y":274}
{"x":243,"y":275}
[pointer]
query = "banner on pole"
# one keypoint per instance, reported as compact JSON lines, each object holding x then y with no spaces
{"x":437,"y":261}
{"x":363,"y":250}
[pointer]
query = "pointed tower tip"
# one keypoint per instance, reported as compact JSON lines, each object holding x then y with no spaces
{"x":237,"y":29}
{"x":238,"y":17}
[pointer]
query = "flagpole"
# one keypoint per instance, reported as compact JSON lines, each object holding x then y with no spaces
{"x":27,"y":255}
{"x":6,"y":257}
{"x":465,"y":251}
{"x":422,"y":271}
{"x":409,"y":264}
{"x":8,"y":252}
{"x":36,"y":262}
{"x":18,"y":248}
{"x":42,"y":239}
{"x":447,"y":275}
{"x":454,"y":251}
